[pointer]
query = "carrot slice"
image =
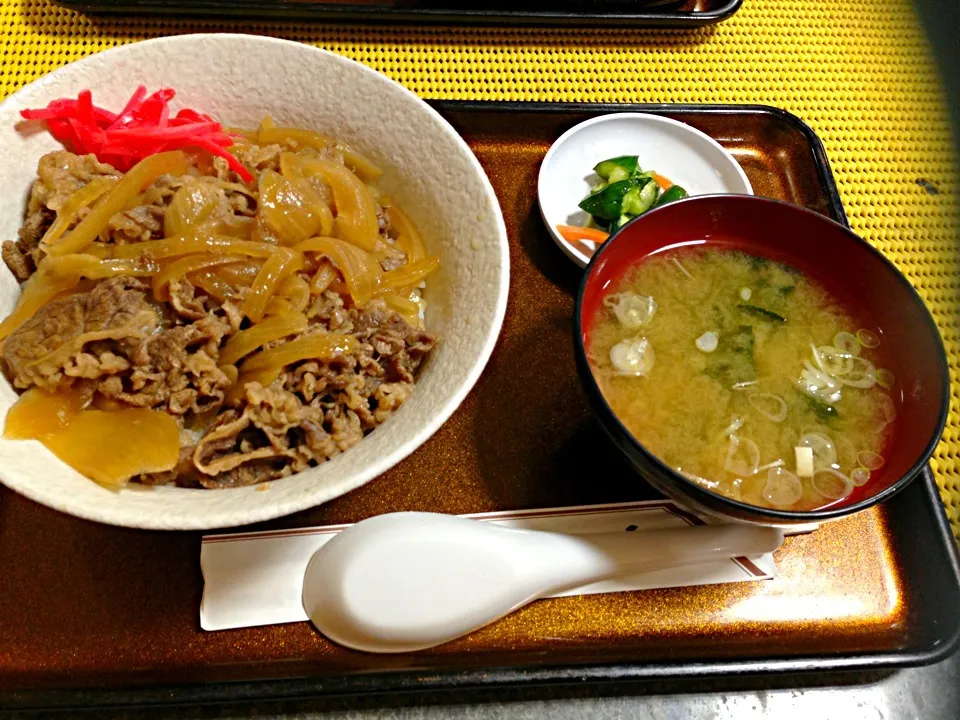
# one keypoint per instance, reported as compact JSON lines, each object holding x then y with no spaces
{"x":664,"y":183}
{"x":572,"y":233}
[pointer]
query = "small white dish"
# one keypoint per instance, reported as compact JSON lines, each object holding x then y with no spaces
{"x":683,"y":154}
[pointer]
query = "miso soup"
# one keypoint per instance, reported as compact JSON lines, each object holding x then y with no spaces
{"x":746,"y":376}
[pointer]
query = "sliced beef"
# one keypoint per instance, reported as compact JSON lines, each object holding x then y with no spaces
{"x":251,"y":473}
{"x":186,"y":301}
{"x":22,"y":266}
{"x":254,"y":157}
{"x":49,"y":349}
{"x":392,"y":257}
{"x":397,"y":347}
{"x":316,"y":409}
{"x":271,"y":428}
{"x":34,"y":228}
{"x":59,"y":175}
{"x":329,"y":310}
{"x":277,"y":434}
{"x":389,"y":397}
{"x":113,"y":335}
{"x":176,"y":370}
{"x":183,"y":474}
{"x":139,"y":224}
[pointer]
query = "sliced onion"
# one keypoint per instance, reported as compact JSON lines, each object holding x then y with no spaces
{"x":860,"y":476}
{"x":885,"y":378}
{"x":833,"y":361}
{"x":735,"y":424}
{"x":868,"y":338}
{"x":846,"y":343}
{"x":707,"y":342}
{"x":870,"y":460}
{"x":682,"y":268}
{"x":818,"y":385}
{"x":824,"y":451}
{"x":743,"y":457}
{"x":632,"y":310}
{"x":775,"y":464}
{"x":701,"y":481}
{"x":772,"y":407}
{"x":864,"y":376}
{"x":736,"y":491}
{"x":783,"y":488}
{"x":633,"y":357}
{"x":885,"y":412}
{"x":825,"y":483}
{"x":888,"y":411}
{"x":743,"y":385}
{"x":816,"y":356}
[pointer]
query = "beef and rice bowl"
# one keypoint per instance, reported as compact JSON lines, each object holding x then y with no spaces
{"x":212,"y":320}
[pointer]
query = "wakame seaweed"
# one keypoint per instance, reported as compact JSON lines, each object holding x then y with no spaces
{"x":823,"y":411}
{"x":761,"y":313}
{"x":732,"y":362}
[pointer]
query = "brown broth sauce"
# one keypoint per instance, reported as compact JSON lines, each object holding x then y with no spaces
{"x":683,"y":409}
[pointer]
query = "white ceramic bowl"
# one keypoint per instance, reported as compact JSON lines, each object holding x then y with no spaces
{"x":430,"y":172}
{"x":677,"y":151}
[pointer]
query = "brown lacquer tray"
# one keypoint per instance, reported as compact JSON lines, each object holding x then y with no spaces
{"x":91,"y":614}
{"x":616,"y":13}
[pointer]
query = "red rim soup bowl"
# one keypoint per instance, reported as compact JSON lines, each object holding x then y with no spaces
{"x":848,"y":267}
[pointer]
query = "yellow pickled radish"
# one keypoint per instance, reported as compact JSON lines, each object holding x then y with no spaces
{"x":112,"y":447}
{"x":38,"y":413}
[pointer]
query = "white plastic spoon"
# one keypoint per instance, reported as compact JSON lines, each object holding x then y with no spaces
{"x":407,"y":581}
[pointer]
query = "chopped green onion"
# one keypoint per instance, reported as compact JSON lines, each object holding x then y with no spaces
{"x":743,"y":457}
{"x":832,"y":484}
{"x":868,"y":338}
{"x":870,"y":460}
{"x":846,"y":343}
{"x":885,"y":378}
{"x":783,"y":488}
{"x":860,"y":476}
{"x":772,"y":407}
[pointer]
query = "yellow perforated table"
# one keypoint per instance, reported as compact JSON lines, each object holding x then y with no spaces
{"x":858,"y":71}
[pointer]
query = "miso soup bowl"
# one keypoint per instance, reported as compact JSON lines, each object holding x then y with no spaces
{"x":848,"y":267}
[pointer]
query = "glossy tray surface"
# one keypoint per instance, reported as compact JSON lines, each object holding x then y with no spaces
{"x":616,"y":13}
{"x":92,"y":614}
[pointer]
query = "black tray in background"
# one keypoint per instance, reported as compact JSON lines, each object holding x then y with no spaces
{"x":604,"y":13}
